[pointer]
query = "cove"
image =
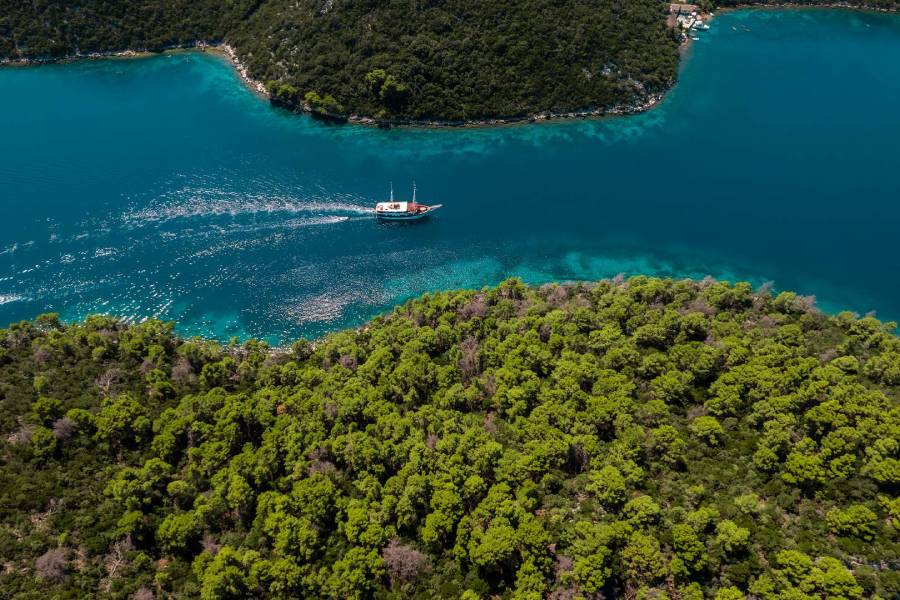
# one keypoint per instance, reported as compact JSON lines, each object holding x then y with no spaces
{"x":162,"y":187}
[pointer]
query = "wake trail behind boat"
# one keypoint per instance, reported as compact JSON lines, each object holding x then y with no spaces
{"x":203,"y":206}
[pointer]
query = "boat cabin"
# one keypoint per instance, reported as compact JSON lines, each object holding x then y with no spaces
{"x":394,"y":207}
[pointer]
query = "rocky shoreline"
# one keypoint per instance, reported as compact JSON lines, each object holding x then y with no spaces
{"x":128,"y":53}
{"x":650,"y":102}
{"x":795,"y":6}
{"x":253,"y":84}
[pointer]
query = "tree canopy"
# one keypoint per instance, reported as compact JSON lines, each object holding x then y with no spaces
{"x":645,"y":438}
{"x":446,"y":59}
{"x":442,"y":60}
{"x":459,"y":60}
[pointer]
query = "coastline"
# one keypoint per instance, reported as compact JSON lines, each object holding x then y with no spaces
{"x":649,"y":103}
{"x":795,"y":6}
{"x":200,"y":46}
{"x":195,"y":85}
{"x":225,"y":50}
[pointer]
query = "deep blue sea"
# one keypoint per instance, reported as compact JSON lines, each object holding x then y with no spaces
{"x":162,"y":187}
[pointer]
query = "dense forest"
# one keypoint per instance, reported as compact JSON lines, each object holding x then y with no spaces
{"x":447,"y":60}
{"x":642,"y":438}
{"x":461,"y":60}
{"x":60,"y":28}
{"x":444,"y":59}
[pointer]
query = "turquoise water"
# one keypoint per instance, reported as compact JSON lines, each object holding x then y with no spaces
{"x":163,"y":187}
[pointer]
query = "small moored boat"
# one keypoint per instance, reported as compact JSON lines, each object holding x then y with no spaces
{"x":403,"y":211}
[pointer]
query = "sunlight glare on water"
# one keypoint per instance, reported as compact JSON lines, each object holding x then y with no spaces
{"x":163,"y":188}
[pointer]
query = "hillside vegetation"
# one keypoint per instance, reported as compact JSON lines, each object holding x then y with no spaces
{"x":445,"y":59}
{"x":461,"y":60}
{"x":60,"y":28}
{"x":646,"y":439}
{"x":442,"y":60}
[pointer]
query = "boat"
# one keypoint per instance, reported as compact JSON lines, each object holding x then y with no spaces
{"x":392,"y":210}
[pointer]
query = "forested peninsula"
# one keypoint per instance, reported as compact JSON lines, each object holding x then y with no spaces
{"x":448,"y":61}
{"x":641,"y":438}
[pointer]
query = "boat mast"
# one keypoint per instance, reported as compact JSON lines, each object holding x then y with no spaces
{"x":414,"y":191}
{"x":392,"y":191}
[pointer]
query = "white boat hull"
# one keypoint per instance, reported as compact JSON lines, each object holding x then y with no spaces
{"x":386,"y":215}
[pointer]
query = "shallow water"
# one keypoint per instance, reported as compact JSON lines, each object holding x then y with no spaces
{"x":162,"y":187}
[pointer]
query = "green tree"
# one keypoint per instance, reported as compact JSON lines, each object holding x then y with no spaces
{"x":43,"y":443}
{"x":689,"y":548}
{"x":642,"y":559}
{"x":356,"y":574}
{"x":729,"y":593}
{"x":178,"y":531}
{"x":394,"y":94}
{"x":608,"y":485}
{"x":46,"y":410}
{"x":856,"y":520}
{"x":731,"y":537}
{"x":122,"y":421}
{"x":707,"y":429}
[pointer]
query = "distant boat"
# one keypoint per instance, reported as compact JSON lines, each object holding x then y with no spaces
{"x":403,"y":211}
